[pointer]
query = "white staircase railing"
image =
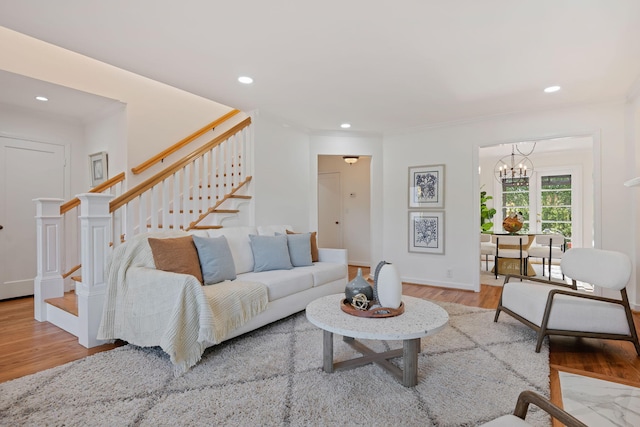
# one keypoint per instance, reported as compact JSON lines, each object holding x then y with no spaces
{"x":180,"y":197}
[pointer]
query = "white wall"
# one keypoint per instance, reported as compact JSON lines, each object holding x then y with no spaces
{"x":356,"y":205}
{"x":456,"y":146}
{"x":281,"y":175}
{"x":107,"y":133}
{"x":633,"y":164}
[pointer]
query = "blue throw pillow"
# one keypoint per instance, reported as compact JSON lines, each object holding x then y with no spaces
{"x":299,"y":248}
{"x":216,"y":261}
{"x":270,"y":253}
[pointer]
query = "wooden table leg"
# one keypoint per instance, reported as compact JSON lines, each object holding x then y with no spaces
{"x":327,"y":351}
{"x":411,"y":348}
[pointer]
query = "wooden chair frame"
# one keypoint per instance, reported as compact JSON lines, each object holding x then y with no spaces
{"x":529,"y":397}
{"x":543,"y":331}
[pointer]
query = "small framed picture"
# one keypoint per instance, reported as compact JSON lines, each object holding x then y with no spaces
{"x":98,"y":168}
{"x":426,"y":186}
{"x":426,"y":232}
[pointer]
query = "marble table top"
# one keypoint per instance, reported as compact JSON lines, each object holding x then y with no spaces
{"x":420,"y":318}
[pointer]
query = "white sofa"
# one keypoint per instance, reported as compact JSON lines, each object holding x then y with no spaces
{"x":290,"y":291}
{"x":149,"y":307}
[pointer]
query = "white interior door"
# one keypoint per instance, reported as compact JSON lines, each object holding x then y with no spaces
{"x":29,"y":170}
{"x":329,"y":210}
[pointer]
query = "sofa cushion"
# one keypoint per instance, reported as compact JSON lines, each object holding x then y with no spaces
{"x":314,"y":245}
{"x":270,"y":253}
{"x":281,"y":283}
{"x":177,"y":255}
{"x":299,"y":249}
{"x":238,"y":240}
{"x":325,"y":272}
{"x":216,"y":261}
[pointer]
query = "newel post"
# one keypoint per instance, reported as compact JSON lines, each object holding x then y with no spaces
{"x":48,"y":282}
{"x":95,"y":232}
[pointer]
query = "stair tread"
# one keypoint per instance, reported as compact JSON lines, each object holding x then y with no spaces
{"x":68,"y":302}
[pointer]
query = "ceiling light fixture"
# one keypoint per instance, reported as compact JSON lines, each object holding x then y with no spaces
{"x":515,"y":170}
{"x":42,"y":98}
{"x":350,"y":159}
{"x":552,"y":89}
{"x":245,"y":80}
{"x":345,"y":125}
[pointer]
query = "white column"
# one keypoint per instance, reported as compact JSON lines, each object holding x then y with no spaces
{"x":48,"y":282}
{"x":95,"y":232}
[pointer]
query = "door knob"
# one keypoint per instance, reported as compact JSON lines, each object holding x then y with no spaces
{"x":1,"y":227}
{"x":337,"y":222}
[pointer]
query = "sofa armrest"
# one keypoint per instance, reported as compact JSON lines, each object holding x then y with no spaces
{"x":338,"y":256}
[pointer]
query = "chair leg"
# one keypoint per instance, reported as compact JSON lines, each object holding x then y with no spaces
{"x":543,"y":269}
{"x":540,"y":340}
{"x":495,"y":266}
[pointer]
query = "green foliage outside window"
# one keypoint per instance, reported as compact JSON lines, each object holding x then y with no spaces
{"x":486,"y":214}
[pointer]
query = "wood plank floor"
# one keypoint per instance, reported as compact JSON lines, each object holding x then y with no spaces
{"x":28,"y":346}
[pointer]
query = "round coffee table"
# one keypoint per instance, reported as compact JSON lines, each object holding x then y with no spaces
{"x":420,"y":318}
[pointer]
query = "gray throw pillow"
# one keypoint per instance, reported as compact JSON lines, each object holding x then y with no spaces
{"x":216,"y":261}
{"x":270,"y":253}
{"x":299,"y":249}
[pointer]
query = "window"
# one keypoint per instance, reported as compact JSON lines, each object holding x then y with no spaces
{"x":555,"y":205}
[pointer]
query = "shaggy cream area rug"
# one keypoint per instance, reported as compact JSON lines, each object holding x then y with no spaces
{"x":469,"y":373}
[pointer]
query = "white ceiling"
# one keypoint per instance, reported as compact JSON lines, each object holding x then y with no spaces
{"x":20,"y":91}
{"x":379,"y":65}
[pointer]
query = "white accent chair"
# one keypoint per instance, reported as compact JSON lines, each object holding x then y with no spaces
{"x":556,"y":308}
{"x":548,"y":247}
{"x":529,"y":397}
{"x":487,"y":248}
{"x":517,"y":242}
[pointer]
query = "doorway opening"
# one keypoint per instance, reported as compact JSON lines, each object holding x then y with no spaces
{"x":557,"y":196}
{"x":344,"y":206}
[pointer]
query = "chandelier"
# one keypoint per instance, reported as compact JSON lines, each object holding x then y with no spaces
{"x":514,"y":169}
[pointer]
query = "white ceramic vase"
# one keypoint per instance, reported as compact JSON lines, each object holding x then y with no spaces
{"x":389,"y":286}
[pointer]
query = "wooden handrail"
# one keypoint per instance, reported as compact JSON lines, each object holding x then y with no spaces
{"x":125,"y":198}
{"x":97,"y":189}
{"x":178,"y":145}
{"x":70,"y":272}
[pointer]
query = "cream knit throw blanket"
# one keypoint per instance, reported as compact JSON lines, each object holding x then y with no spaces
{"x":149,"y":307}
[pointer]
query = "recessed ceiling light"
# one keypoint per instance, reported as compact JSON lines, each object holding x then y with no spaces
{"x":552,"y":89}
{"x":42,"y":98}
{"x":345,"y":126}
{"x":245,"y":80}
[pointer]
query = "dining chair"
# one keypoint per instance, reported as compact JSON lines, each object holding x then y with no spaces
{"x":513,"y":247}
{"x":487,"y":248}
{"x":548,"y":247}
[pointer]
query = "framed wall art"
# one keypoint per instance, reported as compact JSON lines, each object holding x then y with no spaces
{"x":98,"y":167}
{"x":426,"y":186}
{"x":426,"y":232}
